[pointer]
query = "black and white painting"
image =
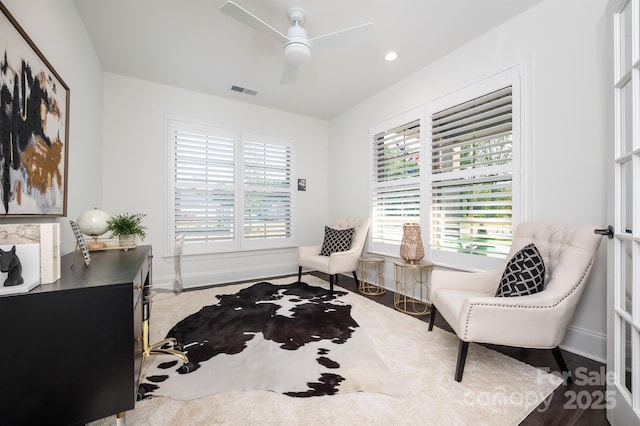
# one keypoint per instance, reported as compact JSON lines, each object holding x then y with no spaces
{"x":34,"y":121}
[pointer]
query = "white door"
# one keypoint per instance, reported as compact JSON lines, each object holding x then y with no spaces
{"x":623,"y":334}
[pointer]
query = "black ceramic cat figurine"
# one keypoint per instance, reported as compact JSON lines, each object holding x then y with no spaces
{"x":10,"y":262}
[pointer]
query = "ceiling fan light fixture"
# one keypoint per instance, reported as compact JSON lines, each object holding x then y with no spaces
{"x":297,"y":53}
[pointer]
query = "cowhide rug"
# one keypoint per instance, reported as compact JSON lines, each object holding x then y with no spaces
{"x":295,"y":339}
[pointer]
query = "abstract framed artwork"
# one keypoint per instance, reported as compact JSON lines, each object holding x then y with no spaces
{"x":34,"y":127}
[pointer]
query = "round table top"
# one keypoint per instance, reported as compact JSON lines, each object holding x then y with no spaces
{"x":422,"y":264}
{"x":371,"y":259}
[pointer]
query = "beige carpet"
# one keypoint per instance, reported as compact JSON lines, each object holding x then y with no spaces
{"x":495,"y":390}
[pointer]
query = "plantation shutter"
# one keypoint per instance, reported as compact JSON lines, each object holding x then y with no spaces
{"x":472,"y":176}
{"x":204,"y":183}
{"x":268,"y":190}
{"x":395,"y":184}
{"x":229,"y":190}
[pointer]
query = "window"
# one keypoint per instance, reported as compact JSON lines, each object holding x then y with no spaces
{"x":268,"y":191}
{"x":470,"y":187}
{"x":229,"y":190}
{"x":474,"y":150}
{"x":395,"y":180}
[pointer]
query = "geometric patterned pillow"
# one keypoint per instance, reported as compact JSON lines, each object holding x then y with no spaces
{"x":336,"y":240}
{"x":524,"y":273}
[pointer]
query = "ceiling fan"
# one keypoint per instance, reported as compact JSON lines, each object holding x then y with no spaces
{"x":297,"y":46}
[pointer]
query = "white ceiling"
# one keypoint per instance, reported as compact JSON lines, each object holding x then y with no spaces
{"x":191,"y":44}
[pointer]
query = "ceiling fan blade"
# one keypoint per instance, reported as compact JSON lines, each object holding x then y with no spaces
{"x":238,"y":13}
{"x":361,"y":34}
{"x":289,"y":74}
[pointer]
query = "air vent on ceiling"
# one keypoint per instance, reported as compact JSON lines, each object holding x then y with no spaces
{"x":243,"y":90}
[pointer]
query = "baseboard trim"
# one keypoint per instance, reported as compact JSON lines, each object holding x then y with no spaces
{"x":586,"y":343}
{"x":217,"y":277}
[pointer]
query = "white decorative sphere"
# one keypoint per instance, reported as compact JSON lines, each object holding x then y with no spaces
{"x":93,"y":222}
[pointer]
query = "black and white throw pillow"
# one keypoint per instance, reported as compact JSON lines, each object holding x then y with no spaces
{"x":524,"y":273}
{"x":336,"y":240}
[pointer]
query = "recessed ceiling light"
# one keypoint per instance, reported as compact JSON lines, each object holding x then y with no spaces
{"x":391,"y":56}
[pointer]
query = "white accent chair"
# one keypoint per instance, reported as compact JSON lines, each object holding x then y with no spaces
{"x":466,"y":300}
{"x":345,"y":261}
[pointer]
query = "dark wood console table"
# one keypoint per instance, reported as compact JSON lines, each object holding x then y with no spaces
{"x":71,"y":351}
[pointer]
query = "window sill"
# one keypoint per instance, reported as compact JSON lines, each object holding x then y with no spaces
{"x":438,"y":264}
{"x":238,"y":253}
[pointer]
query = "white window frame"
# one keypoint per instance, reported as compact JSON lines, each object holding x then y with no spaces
{"x":239,"y":137}
{"x":391,"y":246}
{"x":510,"y":77}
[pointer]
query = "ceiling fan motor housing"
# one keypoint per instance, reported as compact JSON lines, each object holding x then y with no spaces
{"x":297,"y":50}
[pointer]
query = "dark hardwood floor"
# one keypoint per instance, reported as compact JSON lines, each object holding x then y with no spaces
{"x":579,"y":403}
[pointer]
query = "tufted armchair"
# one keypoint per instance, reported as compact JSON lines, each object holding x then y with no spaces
{"x":339,"y":262}
{"x":467,"y":301}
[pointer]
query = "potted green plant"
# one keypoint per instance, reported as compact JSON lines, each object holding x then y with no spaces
{"x":127,"y":228}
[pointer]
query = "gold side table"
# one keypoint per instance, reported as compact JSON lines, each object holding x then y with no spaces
{"x":374,"y":266}
{"x":412,"y":291}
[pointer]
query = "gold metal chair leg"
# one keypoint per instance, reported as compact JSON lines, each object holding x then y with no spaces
{"x":157,"y":348}
{"x":173,"y":352}
{"x":161,"y":343}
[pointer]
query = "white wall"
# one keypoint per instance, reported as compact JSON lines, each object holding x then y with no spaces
{"x":563,"y":47}
{"x":135,"y":179}
{"x":55,"y":27}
